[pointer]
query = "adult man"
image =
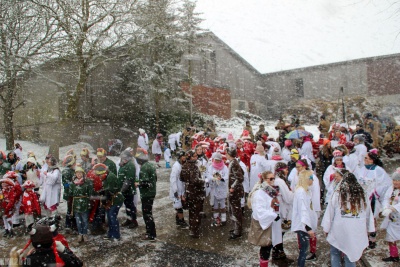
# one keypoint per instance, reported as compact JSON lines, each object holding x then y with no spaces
{"x":147,"y":185}
{"x":67,"y":175}
{"x":235,"y":184}
{"x":324,"y":126}
{"x":248,"y":128}
{"x":127,"y":175}
{"x":102,"y":158}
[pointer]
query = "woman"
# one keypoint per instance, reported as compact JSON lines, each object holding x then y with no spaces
{"x":262,"y":200}
{"x":391,"y":222}
{"x":285,"y":198}
{"x":194,"y":192}
{"x":51,"y":182}
{"x":329,"y":175}
{"x":258,"y":164}
{"x":375,"y":182}
{"x":236,"y":192}
{"x":348,"y":218}
{"x":304,"y":218}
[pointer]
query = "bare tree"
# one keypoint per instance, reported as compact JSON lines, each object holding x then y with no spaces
{"x":92,"y":28}
{"x":26,"y":38}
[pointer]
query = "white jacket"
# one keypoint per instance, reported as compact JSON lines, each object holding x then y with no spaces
{"x":219,"y":189}
{"x":315,"y":189}
{"x":175,"y":184}
{"x":258,"y":164}
{"x":307,"y":150}
{"x":392,"y":222}
{"x":285,"y":198}
{"x":156,"y":148}
{"x":302,"y":214}
{"x":51,"y":188}
{"x":143,"y":142}
{"x":346,"y":231}
{"x":246,"y":179}
{"x":265,"y":215}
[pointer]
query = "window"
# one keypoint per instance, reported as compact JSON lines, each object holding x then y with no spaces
{"x":242,"y":105}
{"x":299,"y":86}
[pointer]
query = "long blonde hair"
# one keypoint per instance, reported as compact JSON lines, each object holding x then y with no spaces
{"x":304,"y":177}
{"x":257,"y":186}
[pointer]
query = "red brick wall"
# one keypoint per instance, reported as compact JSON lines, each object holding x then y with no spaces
{"x":383,"y":76}
{"x":210,"y":100}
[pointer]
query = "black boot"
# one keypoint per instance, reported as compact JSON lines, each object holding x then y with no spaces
{"x":392,"y":259}
{"x":6,"y":233}
{"x":183,"y":224}
{"x":133,"y":225}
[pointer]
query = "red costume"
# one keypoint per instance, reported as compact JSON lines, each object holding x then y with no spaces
{"x":30,"y":203}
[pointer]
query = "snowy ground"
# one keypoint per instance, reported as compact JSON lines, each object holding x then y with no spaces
{"x":174,"y":247}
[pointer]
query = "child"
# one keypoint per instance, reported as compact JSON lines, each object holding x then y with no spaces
{"x":217,"y":177}
{"x":167,"y":157}
{"x":391,"y":223}
{"x":80,"y":190}
{"x":30,"y":203}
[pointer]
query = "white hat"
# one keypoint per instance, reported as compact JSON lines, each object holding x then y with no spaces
{"x":141,"y":131}
{"x":217,"y":156}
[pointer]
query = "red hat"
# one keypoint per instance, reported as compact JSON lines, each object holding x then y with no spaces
{"x":28,"y":184}
{"x":100,"y":168}
{"x":239,"y":141}
{"x":246,"y":134}
{"x":11,"y":175}
{"x":288,"y":143}
{"x":7,"y":181}
{"x":337,"y":154}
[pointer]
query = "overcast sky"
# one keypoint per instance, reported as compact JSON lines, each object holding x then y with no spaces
{"x":275,"y":35}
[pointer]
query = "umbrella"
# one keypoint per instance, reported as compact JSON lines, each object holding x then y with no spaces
{"x":296,"y":134}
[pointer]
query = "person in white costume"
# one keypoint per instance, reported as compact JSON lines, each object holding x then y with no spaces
{"x":304,"y":217}
{"x":303,"y":165}
{"x":361,"y":149}
{"x":347,"y":220}
{"x":264,"y":219}
{"x":329,"y":175}
{"x":286,"y":150}
{"x":285,"y":198}
{"x":143,"y":139}
{"x":351,"y":158}
{"x":391,"y":223}
{"x":51,"y":184}
{"x":375,"y":182}
{"x":217,"y":177}
{"x":258,"y":164}
{"x":177,"y":189}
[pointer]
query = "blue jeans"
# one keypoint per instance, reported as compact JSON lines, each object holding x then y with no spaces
{"x":82,"y":222}
{"x":304,"y":241}
{"x":113,"y":224}
{"x":336,"y":256}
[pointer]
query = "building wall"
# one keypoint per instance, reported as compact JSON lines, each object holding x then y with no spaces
{"x":384,"y":76}
{"x":210,"y":100}
{"x":221,"y":67}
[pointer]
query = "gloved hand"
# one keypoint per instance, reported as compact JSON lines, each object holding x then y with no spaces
{"x":176,"y":194}
{"x":60,"y":247}
{"x":277,"y":218}
{"x":386,"y":212}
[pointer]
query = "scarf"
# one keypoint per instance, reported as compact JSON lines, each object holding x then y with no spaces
{"x":370,"y":167}
{"x":218,"y":166}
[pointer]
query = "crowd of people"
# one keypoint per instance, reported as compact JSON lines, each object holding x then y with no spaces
{"x":290,"y":183}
